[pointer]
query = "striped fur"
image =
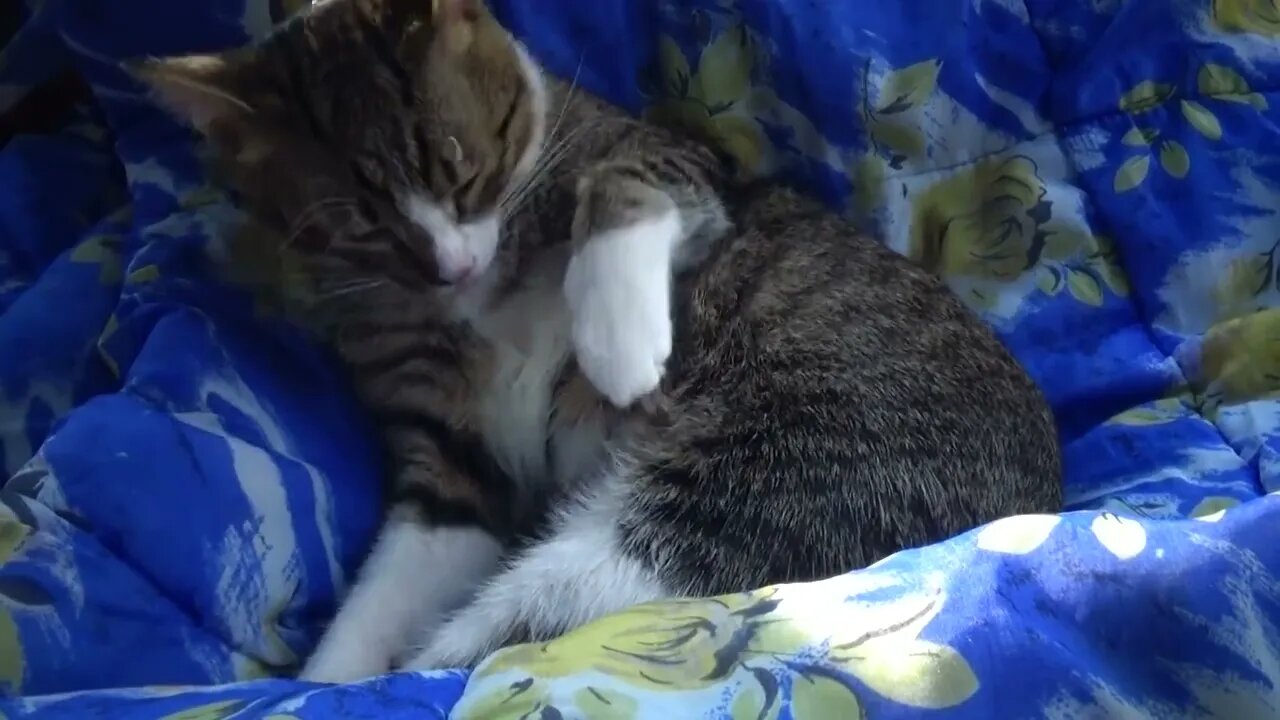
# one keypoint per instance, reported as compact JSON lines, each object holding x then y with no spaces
{"x":651,"y":385}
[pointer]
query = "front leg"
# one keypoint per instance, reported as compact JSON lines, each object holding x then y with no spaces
{"x":415,"y":575}
{"x":431,"y":554}
{"x":631,"y":232}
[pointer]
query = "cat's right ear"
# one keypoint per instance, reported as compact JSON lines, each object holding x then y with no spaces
{"x":199,"y":89}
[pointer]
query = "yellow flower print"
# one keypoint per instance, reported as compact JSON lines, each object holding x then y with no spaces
{"x":714,"y":100}
{"x":980,"y":223}
{"x":692,"y":645}
{"x":885,"y":652}
{"x":679,"y":645}
{"x":1261,"y":17}
{"x":1240,"y":359}
{"x":1243,"y":283}
{"x":990,"y":223}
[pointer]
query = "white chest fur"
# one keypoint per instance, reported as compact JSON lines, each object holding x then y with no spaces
{"x":529,"y":336}
{"x":516,"y":404}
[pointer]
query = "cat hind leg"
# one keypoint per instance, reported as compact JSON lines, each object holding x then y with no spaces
{"x":579,"y":573}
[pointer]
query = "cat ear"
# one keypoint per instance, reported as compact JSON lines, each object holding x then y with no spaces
{"x":455,"y":22}
{"x":199,"y":89}
{"x":451,"y":11}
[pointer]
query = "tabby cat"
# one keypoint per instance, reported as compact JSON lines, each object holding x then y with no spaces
{"x":604,"y":376}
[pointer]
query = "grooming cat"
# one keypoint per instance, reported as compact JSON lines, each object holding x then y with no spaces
{"x":604,"y":376}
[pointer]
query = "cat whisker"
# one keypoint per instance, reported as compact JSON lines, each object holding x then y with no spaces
{"x":308,"y":213}
{"x":323,"y":203}
{"x":555,"y":127}
{"x":568,"y":97}
{"x":350,"y":288}
{"x":543,"y":170}
{"x":311,"y":213}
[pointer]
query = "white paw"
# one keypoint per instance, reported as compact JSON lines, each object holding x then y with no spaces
{"x":460,"y":643}
{"x":618,"y":287}
{"x":334,"y":664}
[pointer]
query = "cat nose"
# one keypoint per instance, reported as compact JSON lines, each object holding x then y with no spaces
{"x":464,"y":275}
{"x":458,"y":272}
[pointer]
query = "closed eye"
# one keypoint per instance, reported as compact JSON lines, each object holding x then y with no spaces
{"x":362,"y":179}
{"x":505,"y":126}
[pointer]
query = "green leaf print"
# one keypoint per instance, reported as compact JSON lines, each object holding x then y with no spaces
{"x":1223,"y":83}
{"x":674,"y":67}
{"x":1239,"y":360}
{"x":1213,"y":505}
{"x":724,"y":71}
{"x":605,"y":704}
{"x":1111,"y":274}
{"x":918,"y":673}
{"x":213,"y":711}
{"x":1202,"y":119}
{"x":201,"y":197}
{"x":1219,"y":80}
{"x":1244,"y":279}
{"x":1051,"y":280}
{"x":111,"y":328}
{"x":1084,"y":287}
{"x":522,"y":699}
{"x":1174,"y":159}
{"x":1064,"y":242}
{"x":752,"y":703}
{"x":900,"y":138}
{"x":1156,"y":413}
{"x":817,"y":696}
{"x":1259,"y":17}
{"x":105,"y":251}
{"x":1140,"y":137}
{"x":906,"y":88}
{"x":144,"y":275}
{"x":12,"y":535}
{"x":1145,"y":96}
{"x":12,"y":661}
{"x":1132,"y":173}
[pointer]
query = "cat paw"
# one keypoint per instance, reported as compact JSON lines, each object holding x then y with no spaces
{"x":618,"y":287}
{"x":330,"y":668}
{"x":333,"y":664}
{"x":462,"y":643}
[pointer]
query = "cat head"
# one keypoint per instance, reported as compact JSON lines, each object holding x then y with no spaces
{"x":394,"y":127}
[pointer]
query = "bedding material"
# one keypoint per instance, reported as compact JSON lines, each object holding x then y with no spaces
{"x":191,"y":484}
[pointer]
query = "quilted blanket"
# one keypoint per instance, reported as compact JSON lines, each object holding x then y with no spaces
{"x":191,"y":485}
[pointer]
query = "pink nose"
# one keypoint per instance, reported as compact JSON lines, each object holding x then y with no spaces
{"x":460,"y":275}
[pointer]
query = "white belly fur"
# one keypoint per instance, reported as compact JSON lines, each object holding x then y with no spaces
{"x":530,"y":342}
{"x":530,"y":336}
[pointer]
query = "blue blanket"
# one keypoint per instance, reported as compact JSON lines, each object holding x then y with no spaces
{"x":192,"y":485}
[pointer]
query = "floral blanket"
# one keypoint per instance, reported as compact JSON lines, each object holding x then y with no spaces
{"x":191,"y":484}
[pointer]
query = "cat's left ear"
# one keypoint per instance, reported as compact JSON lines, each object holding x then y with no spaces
{"x":200,"y":89}
{"x":444,"y":12}
{"x":455,"y":22}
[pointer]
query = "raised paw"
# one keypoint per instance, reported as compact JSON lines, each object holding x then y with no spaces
{"x":344,"y":663}
{"x":618,"y":287}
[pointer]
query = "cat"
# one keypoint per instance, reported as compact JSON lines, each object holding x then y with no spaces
{"x":605,"y":373}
